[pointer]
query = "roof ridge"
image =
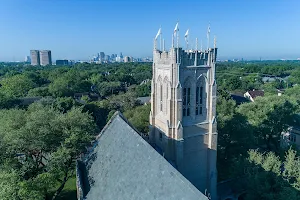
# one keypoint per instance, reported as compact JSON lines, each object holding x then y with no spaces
{"x":117,"y":113}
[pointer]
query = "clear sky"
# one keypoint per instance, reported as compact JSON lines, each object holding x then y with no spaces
{"x":77,"y":29}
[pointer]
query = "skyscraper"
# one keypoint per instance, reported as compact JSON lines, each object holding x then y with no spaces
{"x":107,"y":58}
{"x":112,"y":56}
{"x":127,"y":59}
{"x":35,"y":57}
{"x":102,"y":55}
{"x":27,"y":59}
{"x":45,"y":57}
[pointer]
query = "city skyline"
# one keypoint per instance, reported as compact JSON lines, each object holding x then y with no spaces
{"x":78,"y":30}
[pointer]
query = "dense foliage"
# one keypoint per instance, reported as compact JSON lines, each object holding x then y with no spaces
{"x":38,"y":149}
{"x":250,"y":134}
{"x":40,"y":141}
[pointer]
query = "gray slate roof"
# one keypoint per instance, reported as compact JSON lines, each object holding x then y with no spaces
{"x":144,"y":100}
{"x":124,"y":166}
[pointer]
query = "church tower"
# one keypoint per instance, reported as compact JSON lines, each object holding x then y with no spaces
{"x":183,"y":124}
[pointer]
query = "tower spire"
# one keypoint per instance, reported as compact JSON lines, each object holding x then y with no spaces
{"x":186,"y":37}
{"x":160,"y":38}
{"x":176,"y":31}
{"x":172,"y":40}
{"x":208,"y":35}
{"x":196,"y":54}
{"x":215,"y":42}
{"x":177,"y":35}
{"x":155,"y":39}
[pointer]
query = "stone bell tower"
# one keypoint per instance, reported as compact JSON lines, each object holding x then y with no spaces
{"x":183,"y":109}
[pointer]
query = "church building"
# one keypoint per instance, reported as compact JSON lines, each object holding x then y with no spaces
{"x":183,"y":112}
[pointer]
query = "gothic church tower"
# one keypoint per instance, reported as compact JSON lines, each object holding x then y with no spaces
{"x":183,"y":111}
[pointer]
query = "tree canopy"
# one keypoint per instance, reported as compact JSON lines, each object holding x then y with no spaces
{"x":38,"y":149}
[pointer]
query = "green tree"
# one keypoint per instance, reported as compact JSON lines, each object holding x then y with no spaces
{"x":293,"y":91}
{"x":47,"y":142}
{"x":122,"y":102}
{"x":39,"y":92}
{"x":235,"y":135}
{"x":139,"y":117}
{"x":143,"y":90}
{"x":269,"y":116}
{"x":9,"y":185}
{"x":64,"y":104}
{"x":109,"y":88}
{"x":295,"y":77}
{"x":69,"y":83}
{"x":7,"y":101}
{"x":96,"y":78}
{"x":269,"y":179}
{"x":16,"y":86}
{"x":99,"y":112}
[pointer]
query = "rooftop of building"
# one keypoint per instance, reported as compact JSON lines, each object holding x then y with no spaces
{"x":122,"y":165}
{"x":256,"y":93}
{"x":144,"y":100}
{"x":239,"y":98}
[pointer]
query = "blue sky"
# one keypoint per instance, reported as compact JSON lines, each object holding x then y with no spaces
{"x":77,"y":29}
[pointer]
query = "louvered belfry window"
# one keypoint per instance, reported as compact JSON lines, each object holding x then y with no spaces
{"x":199,"y":101}
{"x":186,"y":101}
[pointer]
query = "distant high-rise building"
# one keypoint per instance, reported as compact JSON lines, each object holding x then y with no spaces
{"x":107,"y":58}
{"x":35,"y":57}
{"x":27,"y":59}
{"x":119,"y":59}
{"x":121,"y":55}
{"x":62,"y":62}
{"x":45,"y":57}
{"x":127,"y":59}
{"x":102,"y":56}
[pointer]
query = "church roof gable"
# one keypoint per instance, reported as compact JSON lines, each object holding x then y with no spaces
{"x":122,"y":165}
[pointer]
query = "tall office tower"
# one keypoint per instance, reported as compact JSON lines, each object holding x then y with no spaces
{"x":183,"y":113}
{"x":35,"y":57}
{"x":102,"y":56}
{"x":127,"y":59}
{"x":27,"y":59}
{"x":45,"y":57}
{"x":119,"y":59}
{"x":121,"y":55}
{"x":107,"y":58}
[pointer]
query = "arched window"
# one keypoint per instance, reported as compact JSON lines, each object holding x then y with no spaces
{"x":166,"y":95}
{"x":161,"y":97}
{"x":200,"y":101}
{"x":159,"y":94}
{"x":186,"y":99}
{"x":167,"y":88}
